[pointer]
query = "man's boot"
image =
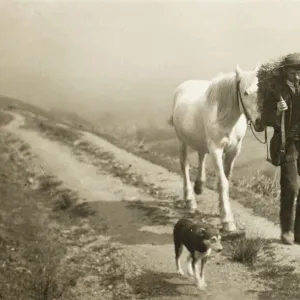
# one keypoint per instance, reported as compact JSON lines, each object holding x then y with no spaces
{"x":297,"y":222}
{"x":286,"y":221}
{"x":287,"y":238}
{"x":289,"y":186}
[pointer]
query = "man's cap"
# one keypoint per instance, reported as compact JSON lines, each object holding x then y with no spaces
{"x":292,"y":60}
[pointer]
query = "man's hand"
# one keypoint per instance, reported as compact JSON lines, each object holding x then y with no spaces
{"x":281,"y":106}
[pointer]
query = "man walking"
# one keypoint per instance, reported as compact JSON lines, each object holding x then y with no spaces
{"x":290,"y":164}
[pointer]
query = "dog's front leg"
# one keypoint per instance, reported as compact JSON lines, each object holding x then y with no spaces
{"x":179,"y":268}
{"x":200,"y":284}
{"x":203,"y":262}
{"x":190,"y":266}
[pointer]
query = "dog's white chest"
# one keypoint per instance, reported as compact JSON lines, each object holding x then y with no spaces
{"x":200,"y":255}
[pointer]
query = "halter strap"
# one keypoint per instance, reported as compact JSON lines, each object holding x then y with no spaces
{"x":249,"y":121}
{"x":240,"y":100}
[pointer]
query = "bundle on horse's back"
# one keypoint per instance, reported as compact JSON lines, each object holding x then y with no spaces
{"x":269,"y":77}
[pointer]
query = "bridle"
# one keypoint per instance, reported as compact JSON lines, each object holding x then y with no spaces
{"x":249,"y":121}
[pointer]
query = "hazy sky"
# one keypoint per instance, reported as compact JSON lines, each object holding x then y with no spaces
{"x":89,"y":52}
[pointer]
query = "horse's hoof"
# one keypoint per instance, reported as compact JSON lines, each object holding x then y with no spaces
{"x":180,"y":272}
{"x":191,"y":204}
{"x":198,"y":187}
{"x":192,"y":208}
{"x":229,"y":227}
{"x":190,"y":272}
{"x":202,"y":286}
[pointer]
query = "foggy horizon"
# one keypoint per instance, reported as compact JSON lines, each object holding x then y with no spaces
{"x":93,"y":56}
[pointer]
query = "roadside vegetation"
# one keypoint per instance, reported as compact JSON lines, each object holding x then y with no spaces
{"x":57,"y":248}
{"x":48,"y":248}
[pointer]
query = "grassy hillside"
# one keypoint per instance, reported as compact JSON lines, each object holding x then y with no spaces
{"x":252,"y":157}
{"x":157,"y":136}
{"x":151,"y":129}
{"x":47,"y":242}
{"x":253,"y":178}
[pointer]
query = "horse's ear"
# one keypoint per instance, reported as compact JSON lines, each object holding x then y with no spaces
{"x":258,"y":65}
{"x":238,"y":72}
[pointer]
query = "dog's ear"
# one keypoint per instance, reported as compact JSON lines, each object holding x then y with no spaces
{"x":203,"y":230}
{"x":200,"y":231}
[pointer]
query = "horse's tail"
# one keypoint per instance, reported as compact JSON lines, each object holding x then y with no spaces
{"x":170,"y":121}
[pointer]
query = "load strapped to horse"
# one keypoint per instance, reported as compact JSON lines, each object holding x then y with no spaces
{"x":270,"y":77}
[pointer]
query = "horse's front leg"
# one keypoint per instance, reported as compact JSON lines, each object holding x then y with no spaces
{"x":188,"y":193}
{"x":226,"y":216}
{"x":229,"y":159}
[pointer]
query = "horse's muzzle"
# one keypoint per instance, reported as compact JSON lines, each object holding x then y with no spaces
{"x":259,"y":125}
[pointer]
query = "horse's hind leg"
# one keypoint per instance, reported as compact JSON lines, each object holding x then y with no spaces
{"x":201,"y":175}
{"x":223,"y":189}
{"x":188,"y":193}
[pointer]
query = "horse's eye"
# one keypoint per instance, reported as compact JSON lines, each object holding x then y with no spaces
{"x":246,"y":93}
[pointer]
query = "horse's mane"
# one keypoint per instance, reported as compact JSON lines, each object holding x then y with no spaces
{"x":222,"y":92}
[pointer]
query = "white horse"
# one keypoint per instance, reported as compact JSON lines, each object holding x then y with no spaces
{"x":211,"y":117}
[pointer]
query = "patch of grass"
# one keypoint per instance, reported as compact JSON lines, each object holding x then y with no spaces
{"x":52,"y":130}
{"x":281,"y":282}
{"x":47,"y":182}
{"x":5,"y":118}
{"x":57,"y":132}
{"x":45,"y":280}
{"x":246,"y":250}
{"x":32,"y":271}
{"x":24,"y":147}
{"x":64,"y":200}
{"x":82,"y":210}
{"x":260,"y":184}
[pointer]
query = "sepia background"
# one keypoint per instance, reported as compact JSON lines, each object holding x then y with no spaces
{"x":117,"y":63}
{"x":90,"y":178}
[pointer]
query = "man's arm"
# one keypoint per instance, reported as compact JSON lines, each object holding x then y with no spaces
{"x":272,"y":109}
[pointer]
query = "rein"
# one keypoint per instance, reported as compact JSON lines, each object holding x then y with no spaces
{"x":249,"y":121}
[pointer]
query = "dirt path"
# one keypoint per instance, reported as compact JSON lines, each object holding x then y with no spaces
{"x":144,"y":244}
{"x":255,"y":226}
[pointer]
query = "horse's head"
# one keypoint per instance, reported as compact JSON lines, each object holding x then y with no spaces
{"x":248,"y":100}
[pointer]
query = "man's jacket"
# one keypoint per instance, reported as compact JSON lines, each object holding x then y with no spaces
{"x":292,"y":114}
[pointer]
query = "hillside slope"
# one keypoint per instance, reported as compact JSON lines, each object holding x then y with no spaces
{"x":135,"y":200}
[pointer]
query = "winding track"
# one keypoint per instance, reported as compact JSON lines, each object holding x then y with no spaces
{"x":151,"y":246}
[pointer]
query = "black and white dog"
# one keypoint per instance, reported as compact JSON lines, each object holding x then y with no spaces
{"x":199,"y":239}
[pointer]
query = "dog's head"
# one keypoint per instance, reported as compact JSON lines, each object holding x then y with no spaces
{"x":210,"y":237}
